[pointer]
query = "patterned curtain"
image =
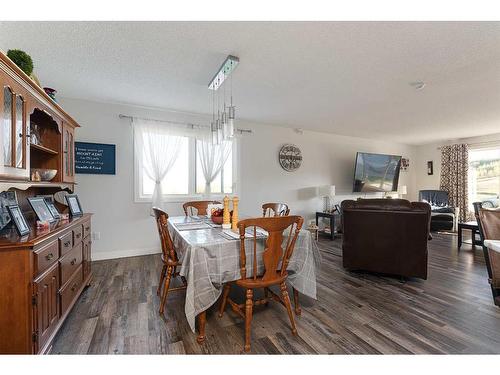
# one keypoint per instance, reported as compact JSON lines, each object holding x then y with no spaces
{"x":454,"y":175}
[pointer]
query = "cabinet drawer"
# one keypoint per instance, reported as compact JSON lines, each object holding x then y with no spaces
{"x":70,"y":290}
{"x":86,"y":229}
{"x":70,"y":262}
{"x":77,"y":234}
{"x":66,"y":243}
{"x":45,"y":257}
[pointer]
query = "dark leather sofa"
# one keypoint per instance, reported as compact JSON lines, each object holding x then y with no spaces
{"x":387,"y":236}
{"x":443,"y":216}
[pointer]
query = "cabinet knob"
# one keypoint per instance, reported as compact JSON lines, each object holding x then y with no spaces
{"x":49,"y":256}
{"x":67,"y":243}
{"x":73,"y":261}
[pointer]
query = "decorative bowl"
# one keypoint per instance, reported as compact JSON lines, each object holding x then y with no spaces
{"x":45,"y":174}
{"x":217,"y":219}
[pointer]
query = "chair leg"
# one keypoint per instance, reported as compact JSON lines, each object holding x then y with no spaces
{"x":165,"y":289}
{"x":162,"y":277}
{"x":286,"y":301}
{"x":248,"y":319}
{"x":225,"y":294}
{"x":298,"y":310}
{"x":266,"y":295}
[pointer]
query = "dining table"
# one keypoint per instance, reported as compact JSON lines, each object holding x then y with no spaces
{"x":210,"y":257}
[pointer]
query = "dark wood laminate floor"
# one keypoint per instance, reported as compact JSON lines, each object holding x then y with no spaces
{"x":451,"y":312}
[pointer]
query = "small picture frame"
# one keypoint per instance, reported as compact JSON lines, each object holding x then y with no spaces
{"x":53,"y":210}
{"x":18,"y":219}
{"x":430,"y":168}
{"x":42,"y":211}
{"x":75,"y":208}
{"x":47,"y":197}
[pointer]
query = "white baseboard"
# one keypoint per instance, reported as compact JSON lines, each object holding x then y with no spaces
{"x":115,"y":254}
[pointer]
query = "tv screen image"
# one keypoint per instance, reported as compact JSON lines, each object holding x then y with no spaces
{"x":376,"y":172}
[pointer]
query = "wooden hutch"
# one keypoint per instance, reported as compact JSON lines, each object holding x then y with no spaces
{"x":43,"y":273}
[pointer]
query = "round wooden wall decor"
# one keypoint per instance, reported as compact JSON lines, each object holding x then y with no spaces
{"x":290,"y":157}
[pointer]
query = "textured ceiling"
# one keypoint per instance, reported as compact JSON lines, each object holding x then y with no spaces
{"x":350,"y":78}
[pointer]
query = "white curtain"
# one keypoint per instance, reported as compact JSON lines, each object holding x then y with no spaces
{"x":212,"y":159}
{"x":159,"y":146}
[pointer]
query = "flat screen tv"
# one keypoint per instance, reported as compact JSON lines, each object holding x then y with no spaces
{"x":376,"y":172}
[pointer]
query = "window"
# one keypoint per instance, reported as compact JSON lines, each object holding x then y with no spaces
{"x":155,"y":145}
{"x":484,"y":177}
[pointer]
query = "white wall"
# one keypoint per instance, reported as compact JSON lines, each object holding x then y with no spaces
{"x":127,"y":229}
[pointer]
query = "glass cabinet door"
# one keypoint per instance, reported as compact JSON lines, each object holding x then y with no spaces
{"x":7,"y":126}
{"x":14,"y":131}
{"x":20,"y":133}
{"x":69,"y":154}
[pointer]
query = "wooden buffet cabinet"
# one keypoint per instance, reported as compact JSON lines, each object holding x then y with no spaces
{"x":41,"y":274}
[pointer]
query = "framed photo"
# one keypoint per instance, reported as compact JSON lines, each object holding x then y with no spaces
{"x":41,"y":209}
{"x":52,"y":208}
{"x":430,"y":168}
{"x":75,"y":208}
{"x":18,"y":219}
{"x":7,"y":198}
{"x":48,"y":197}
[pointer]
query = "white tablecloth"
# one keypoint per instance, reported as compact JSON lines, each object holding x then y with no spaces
{"x":209,"y":260}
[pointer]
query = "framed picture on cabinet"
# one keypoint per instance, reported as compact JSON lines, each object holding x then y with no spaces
{"x":42,"y":211}
{"x":53,"y":209}
{"x":75,"y":208}
{"x":18,"y":219}
{"x":49,"y":200}
{"x":7,"y":198}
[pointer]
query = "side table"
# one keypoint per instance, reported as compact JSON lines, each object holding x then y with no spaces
{"x":330,"y":216}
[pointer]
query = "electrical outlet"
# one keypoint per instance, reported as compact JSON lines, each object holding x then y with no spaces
{"x":96,"y":236}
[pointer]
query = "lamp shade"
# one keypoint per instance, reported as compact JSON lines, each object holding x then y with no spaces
{"x":326,"y":191}
{"x":402,"y":190}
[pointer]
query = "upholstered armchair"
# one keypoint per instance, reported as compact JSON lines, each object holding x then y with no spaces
{"x":386,"y":236}
{"x":443,"y":216}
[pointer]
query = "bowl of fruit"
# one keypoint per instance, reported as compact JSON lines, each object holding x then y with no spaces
{"x":217,"y":215}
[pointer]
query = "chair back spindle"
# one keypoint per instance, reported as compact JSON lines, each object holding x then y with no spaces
{"x":275,"y":209}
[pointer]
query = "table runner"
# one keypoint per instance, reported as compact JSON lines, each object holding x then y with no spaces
{"x":209,"y":260}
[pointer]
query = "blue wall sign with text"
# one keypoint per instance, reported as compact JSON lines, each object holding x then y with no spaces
{"x":95,"y":158}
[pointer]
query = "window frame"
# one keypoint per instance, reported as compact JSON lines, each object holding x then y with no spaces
{"x":139,"y":197}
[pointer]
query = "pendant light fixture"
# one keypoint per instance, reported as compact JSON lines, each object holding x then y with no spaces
{"x":222,"y":126}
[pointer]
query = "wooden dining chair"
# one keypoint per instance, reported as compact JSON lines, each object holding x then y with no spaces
{"x":488,"y":220}
{"x":275,"y":209}
{"x":199,"y":206}
{"x":275,"y":261}
{"x":169,"y":259}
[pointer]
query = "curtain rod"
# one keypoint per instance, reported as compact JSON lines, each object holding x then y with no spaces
{"x":187,"y":124}
{"x":485,"y":143}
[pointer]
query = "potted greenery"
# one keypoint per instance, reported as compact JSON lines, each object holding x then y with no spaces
{"x":24,"y":62}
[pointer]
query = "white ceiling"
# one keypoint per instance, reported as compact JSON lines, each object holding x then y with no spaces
{"x":350,"y":78}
